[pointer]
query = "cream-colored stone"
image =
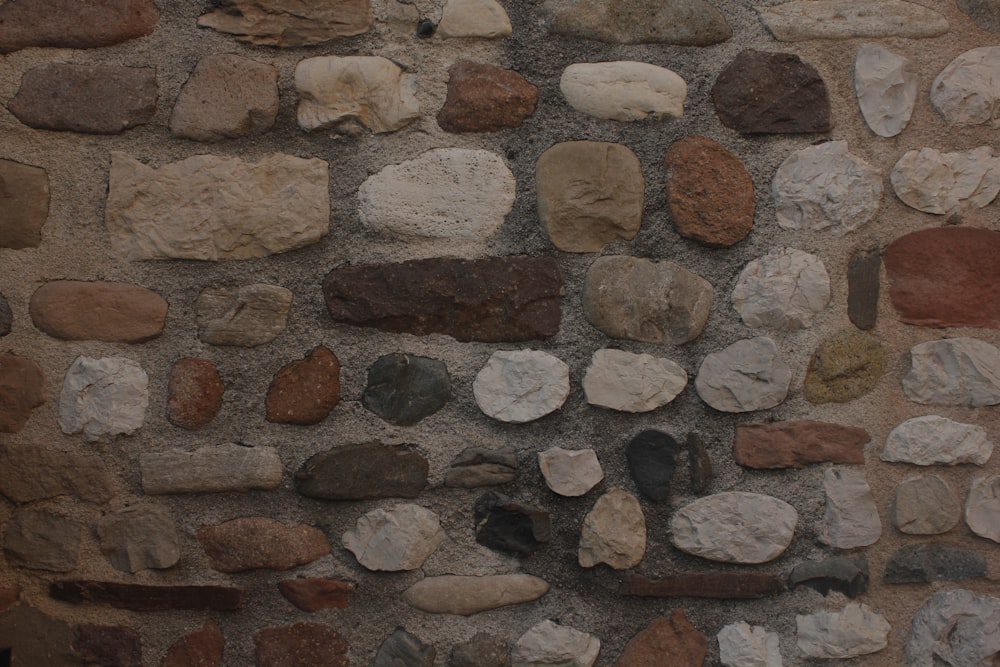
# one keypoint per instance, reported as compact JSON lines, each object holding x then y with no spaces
{"x":784,"y":289}
{"x":802,"y":20}
{"x":629,"y":382}
{"x":623,"y":90}
{"x":474,"y":18}
{"x":614,"y":532}
{"x":967,"y":91}
{"x":741,"y":645}
{"x":954,"y":371}
{"x":246,"y":316}
{"x":851,"y":518}
{"x":103,"y":398}
{"x":464,"y":595}
{"x":520,"y":386}
{"x":570,"y":472}
{"x":942,"y":183}
{"x":549,"y":644}
{"x":982,"y":507}
{"x":400,"y":538}
{"x":932,"y":440}
{"x":853,"y":631}
{"x":748,"y":375}
{"x":218,"y":468}
{"x":886,"y":86}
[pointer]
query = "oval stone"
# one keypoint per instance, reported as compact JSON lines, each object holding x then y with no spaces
{"x":520,"y":386}
{"x":452,"y":594}
{"x":954,"y":371}
{"x":734,"y":527}
{"x":966,"y":92}
{"x":623,"y":90}
{"x":110,"y":312}
{"x":748,"y":375}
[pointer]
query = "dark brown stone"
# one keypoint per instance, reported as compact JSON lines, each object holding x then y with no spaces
{"x":33,"y":472}
{"x":194,"y":393}
{"x":491,"y":300}
{"x":478,"y":466}
{"x":710,"y":192}
{"x":304,"y":392}
{"x":199,"y":648}
{"x":700,"y":463}
{"x":863,"y":289}
{"x":845,"y":366}
{"x":675,"y":637}
{"x":258,"y":542}
{"x":713,"y":585}
{"x":6,"y":316}
{"x":40,"y":540}
{"x":36,"y":639}
{"x":107,"y":645}
{"x":22,"y":389}
{"x":314,"y":593}
{"x":794,"y":444}
{"x":771,"y":93}
{"x":484,"y":98}
{"x":363,"y":471}
{"x":9,"y":595}
{"x":73,"y":24}
{"x":24,"y":204}
{"x":301,"y":645}
{"x":140,"y":597}
{"x":110,"y":312}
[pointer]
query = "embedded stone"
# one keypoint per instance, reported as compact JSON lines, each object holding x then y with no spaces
{"x":675,"y":637}
{"x":485,"y":98}
{"x":966,"y":92}
{"x":212,"y":469}
{"x":748,"y":375}
{"x":953,"y":371}
{"x":955,"y":628}
{"x":451,"y":594}
{"x":982,"y":507}
{"x":519,"y":386}
{"x":401,"y":538}
{"x":944,"y":183}
{"x":623,"y":90}
{"x":699,"y":464}
{"x":22,"y":389}
{"x":855,"y":630}
{"x":549,"y":643}
{"x":924,"y":563}
{"x":925,"y":506}
{"x":474,"y":18}
{"x":300,"y":645}
{"x":37,"y":639}
{"x":304,"y":392}
{"x":287,"y":23}
{"x":24,"y":198}
{"x":9,"y":596}
{"x":110,"y":312}
{"x":40,"y":540}
{"x":363,"y":471}
{"x":6,"y":316}
{"x":141,"y":597}
{"x":985,"y":13}
{"x":252,"y":543}
{"x":482,"y":650}
{"x":30,"y":472}
{"x":652,"y":461}
{"x":477,"y":466}
{"x":404,"y":388}
{"x":139,"y":538}
{"x":845,"y":366}
{"x":194,"y":393}
{"x":629,"y":382}
{"x":734,"y":527}
{"x":743,"y":645}
{"x":794,"y":444}
{"x":199,"y":648}
{"x":504,"y":525}
{"x":851,"y":519}
{"x":886,"y":86}
{"x":848,"y":576}
{"x":931,"y":440}
{"x":246,"y":316}
{"x":107,"y":645}
{"x":682,"y":22}
{"x":314,"y":593}
{"x":570,"y":473}
{"x":402,"y":649}
{"x":784,"y":289}
{"x":710,"y":585}
{"x":614,"y":532}
{"x":102,"y":398}
{"x":802,"y":20}
{"x":74,"y":25}
{"x":863,"y":289}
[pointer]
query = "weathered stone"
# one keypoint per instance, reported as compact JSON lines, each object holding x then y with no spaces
{"x":306,"y":391}
{"x":851,"y":519}
{"x":519,"y":386}
{"x":72,"y":24}
{"x":955,"y":628}
{"x":491,"y":300}
{"x":623,"y":90}
{"x":103,"y":398}
{"x":476,"y":466}
{"x":24,"y":199}
{"x":404,"y":388}
{"x":652,"y":461}
{"x":614,"y":532}
{"x":401,"y":649}
{"x":629,"y":382}
{"x":246,"y":316}
{"x":863,"y":289}
{"x":784,"y":289}
{"x":675,"y":637}
{"x":709,"y":191}
{"x":9,"y":596}
{"x":314,"y":594}
{"x":945,"y":183}
{"x":853,"y":631}
{"x":31,"y":472}
{"x":194,"y":394}
{"x":22,"y":389}
{"x":848,"y":576}
{"x":252,"y":543}
{"x":589,"y":194}
{"x":363,"y":471}
{"x":392,"y":540}
{"x":474,"y":18}
{"x":924,"y":563}
{"x":966,"y":92}
{"x":986,"y":13}
{"x":107,"y":645}
{"x":212,"y":469}
{"x":140,"y":597}
{"x":932,"y":440}
{"x":925,"y":506}
{"x":111,"y":312}
{"x":845,"y":366}
{"x":570,"y":472}
{"x":741,"y":645}
{"x":982,"y":507}
{"x":886,"y":86}
{"x":699,"y":464}
{"x":485,"y":98}
{"x":482,"y":650}
{"x":794,"y":444}
{"x":953,"y":371}
{"x":451,"y":594}
{"x":36,"y":638}
{"x":139,"y":538}
{"x":548,"y":643}
{"x":286,"y":23}
{"x":199,"y":648}
{"x":711,"y":585}
{"x":771,"y":93}
{"x":682,"y":22}
{"x":6,"y":316}
{"x":734,"y":527}
{"x":748,"y":375}
{"x":504,"y":525}
{"x":802,"y":20}
{"x":344,"y":94}
{"x":40,"y":540}
{"x":300,"y":645}
{"x":645,"y":300}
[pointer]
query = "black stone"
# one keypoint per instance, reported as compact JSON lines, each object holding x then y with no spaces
{"x":425,"y":29}
{"x":844,"y":575}
{"x":483,"y":650}
{"x":477,"y":466}
{"x":652,"y":460}
{"x":922,"y":563}
{"x":366,"y":471}
{"x":863,"y":288}
{"x":6,"y":316}
{"x":401,"y":649}
{"x":700,"y":462}
{"x":503,"y":525}
{"x":403,"y":389}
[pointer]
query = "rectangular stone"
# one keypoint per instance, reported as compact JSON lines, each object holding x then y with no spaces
{"x":228,"y":467}
{"x":863,"y":289}
{"x":794,"y":444}
{"x":715,"y":585}
{"x":31,"y":472}
{"x":140,"y":597}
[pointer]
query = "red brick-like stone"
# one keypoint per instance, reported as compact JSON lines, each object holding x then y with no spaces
{"x":258,"y":542}
{"x":301,"y":645}
{"x":304,"y":392}
{"x":712,"y":585}
{"x":142,"y":597}
{"x":194,"y":395}
{"x":200,"y":648}
{"x":22,"y":389}
{"x":107,"y":645}
{"x":110,"y":312}
{"x":484,"y":98}
{"x":314,"y":593}
{"x":675,"y":637}
{"x":794,"y":444}
{"x":74,"y":24}
{"x":24,"y":208}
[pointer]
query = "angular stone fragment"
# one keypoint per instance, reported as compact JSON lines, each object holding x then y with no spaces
{"x":300,"y":645}
{"x":570,"y":472}
{"x":213,"y":469}
{"x":75,"y":25}
{"x":629,"y":382}
{"x":194,"y":394}
{"x":482,"y":650}
{"x":848,"y":576}
{"x":851,"y":518}
{"x":931,"y":440}
{"x":477,"y":466}
{"x":982,"y":507}
{"x":682,"y":22}
{"x":474,"y":18}
{"x":519,"y":386}
{"x":953,"y":371}
{"x":491,"y":300}
{"x":699,"y":464}
{"x":925,"y":506}
{"x":33,"y":472}
{"x":652,"y":461}
{"x":853,"y":631}
{"x":549,"y":643}
{"x":845,"y":366}
{"x":589,"y":194}
{"x":504,"y":525}
{"x":401,"y":538}
{"x":103,"y":398}
{"x":402,"y":649}
{"x":405,"y":388}
{"x":107,"y":645}
{"x":252,"y":543}
{"x":22,"y":389}
{"x":741,"y":645}
{"x":863,"y":289}
{"x":199,"y":648}
{"x":802,"y":20}
{"x":966,"y":92}
{"x":363,"y":471}
{"x":451,"y":594}
{"x":794,"y":444}
{"x":24,"y":200}
{"x":314,"y":594}
{"x":304,"y":392}
{"x":944,"y":183}
{"x":85,"y":98}
{"x":140,"y":597}
{"x":734,"y":527}
{"x":886,"y":86}
{"x":286,"y":23}
{"x":485,"y":98}
{"x":955,"y":628}
{"x":110,"y":312}
{"x":748,"y":375}
{"x":40,"y":540}
{"x":6,"y":316}
{"x":623,"y":90}
{"x":986,"y":13}
{"x":246,"y":316}
{"x":784,"y":289}
{"x":675,"y":637}
{"x":711,"y":585}
{"x":614,"y":532}
{"x":139,"y":538}
{"x":924,"y":563}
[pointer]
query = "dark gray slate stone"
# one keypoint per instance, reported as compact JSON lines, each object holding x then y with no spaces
{"x":844,"y":575}
{"x":477,"y":466}
{"x":986,"y":13}
{"x":401,"y":649}
{"x":364,"y":471}
{"x":921,"y":563}
{"x":40,"y":540}
{"x":404,"y":388}
{"x":6,"y":316}
{"x":702,"y":471}
{"x":652,"y":460}
{"x":863,"y":288}
{"x":504,"y":525}
{"x":482,"y":650}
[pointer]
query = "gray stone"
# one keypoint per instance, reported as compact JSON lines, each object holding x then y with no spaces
{"x":570,"y":472}
{"x":245,"y":316}
{"x":851,"y":519}
{"x":363,"y":471}
{"x":924,"y":563}
{"x":748,"y":375}
{"x":478,"y":466}
{"x":956,"y":628}
{"x":802,"y":20}
{"x":139,"y":538}
{"x":548,"y":643}
{"x":681,"y":22}
{"x":102,"y":398}
{"x":853,"y":631}
{"x":621,"y":380}
{"x":741,"y":645}
{"x":24,"y":205}
{"x":982,"y":507}
{"x":288,"y":23}
{"x":614,"y":532}
{"x":932,"y":440}
{"x":474,"y":18}
{"x":214,"y":469}
{"x":401,"y":649}
{"x":623,"y":90}
{"x":848,"y":576}
{"x":966,"y":92}
{"x":784,"y":289}
{"x":452,"y":594}
{"x":30,"y":472}
{"x":519,"y":386}
{"x":482,"y":650}
{"x":944,"y":183}
{"x":40,"y":540}
{"x":863,"y":289}
{"x":397,"y":539}
{"x":986,"y":13}
{"x":886,"y":86}
{"x":404,"y":388}
{"x":954,"y":371}
{"x":925,"y":506}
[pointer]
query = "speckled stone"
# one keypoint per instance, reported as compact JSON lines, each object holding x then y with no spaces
{"x":194,"y":393}
{"x":485,"y":98}
{"x":305,"y":392}
{"x":75,"y":25}
{"x":252,"y":543}
{"x":300,"y":645}
{"x":845,"y":366}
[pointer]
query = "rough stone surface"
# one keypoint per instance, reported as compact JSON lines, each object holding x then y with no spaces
{"x":300,"y":645}
{"x":589,"y":194}
{"x":285,"y":23}
{"x":41,"y":540}
{"x":647,"y":301}
{"x":485,"y":98}
{"x":110,"y":312}
{"x":711,"y":585}
{"x":748,"y":375}
{"x":39,"y":639}
{"x":478,"y":466}
{"x":202,"y":647}
{"x":700,"y":466}
{"x":771,"y":93}
{"x":30,"y":472}
{"x":107,"y":645}
{"x":103,"y":398}
{"x":863,"y":289}
{"x":709,"y":191}
{"x":504,"y":525}
{"x":623,"y":90}
{"x":363,"y":471}
{"x":304,"y":392}
{"x":313,"y":593}
{"x":652,"y":461}
{"x":6,"y":315}
{"x":851,"y":519}
{"x":734,"y":527}
{"x":519,"y":386}
{"x":549,"y":643}
{"x":482,"y":650}
{"x":194,"y":394}
{"x":803,"y":20}
{"x":953,"y":371}
{"x":924,"y":563}
{"x":955,"y":628}
{"x":794,"y":444}
{"x":986,"y":13}
{"x":853,"y":631}
{"x":743,"y":645}
{"x":848,"y":576}
{"x":966,"y":92}
{"x":570,"y":472}
{"x":886,"y":86}
{"x":474,"y":18}
{"x":845,"y":366}
{"x":402,"y":649}
{"x":931,"y":440}
{"x":252,"y":543}
{"x":614,"y":532}
{"x":22,"y":389}
{"x":982,"y":507}
{"x":925,"y":506}
{"x":393,"y":540}
{"x":404,"y":388}
{"x":451,"y":594}
{"x":74,"y":25}
{"x":629,"y":382}
{"x":245,"y":316}
{"x":212,"y":469}
{"x":24,"y":202}
{"x":9,"y":596}
{"x":675,"y":637}
{"x":784,"y":289}
{"x":945,"y":183}
{"x":140,"y":537}
{"x":683,"y":22}
{"x":140,"y":597}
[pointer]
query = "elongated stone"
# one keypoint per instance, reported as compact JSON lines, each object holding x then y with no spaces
{"x":22,"y":389}
{"x":286,"y":23}
{"x":712,"y":585}
{"x":314,"y":593}
{"x":953,"y":371}
{"x":924,"y":563}
{"x":955,"y":628}
{"x":623,"y":90}
{"x":629,"y":382}
{"x":363,"y":471}
{"x":945,"y":183}
{"x":734,"y":527}
{"x":75,"y":25}
{"x":965,"y":92}
{"x":111,"y":312}
{"x":214,"y":469}
{"x":103,"y":398}
{"x":932,"y":440}
{"x":478,"y":466}
{"x":474,"y":18}
{"x":855,"y":630}
{"x":614,"y":532}
{"x":848,"y":576}
{"x":802,"y":20}
{"x":794,"y":444}
{"x":451,"y":594}
{"x":252,"y":543}
{"x":246,"y":316}
{"x":863,"y":289}
{"x":886,"y":86}
{"x":30,"y":472}
{"x":851,"y":518}
{"x":400,"y":538}
{"x":24,"y":202}
{"x":700,"y":466}
{"x":682,"y":22}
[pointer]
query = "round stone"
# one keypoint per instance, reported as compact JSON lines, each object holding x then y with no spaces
{"x":521,"y":385}
{"x":404,"y":388}
{"x":784,"y":289}
{"x":748,"y":375}
{"x":925,"y":506}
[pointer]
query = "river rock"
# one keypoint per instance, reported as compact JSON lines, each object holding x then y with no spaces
{"x":853,"y":631}
{"x":256,"y":209}
{"x":614,"y":532}
{"x":931,"y":440}
{"x":802,"y":20}
{"x":549,"y":643}
{"x":652,"y":461}
{"x":504,"y":525}
{"x":519,"y":386}
{"x":986,"y":13}
{"x":982,"y":507}
{"x":401,"y":649}
{"x":966,"y":92}
{"x":245,"y":316}
{"x":734,"y":527}
{"x":404,"y":388}
{"x":103,"y":398}
{"x":38,"y":539}
{"x":253,"y":543}
{"x":451,"y":594}
{"x":202,"y":647}
{"x":943,"y":183}
{"x":24,"y":202}
{"x":683,"y":22}
{"x":629,"y":382}
{"x":955,"y":628}
{"x":748,"y":375}
{"x":300,"y":645}
{"x":925,"y":506}
{"x":397,"y":539}
{"x":743,"y":645}
{"x":305,"y":391}
{"x":851,"y":519}
{"x":886,"y":86}
{"x":70,"y":24}
{"x":110,"y":312}
{"x":953,"y":371}
{"x":194,"y":394}
{"x":485,"y":98}
{"x":863,"y":289}
{"x":483,"y":650}
{"x":675,"y":637}
{"x":363,"y":471}
{"x":589,"y":194}
{"x":139,"y":537}
{"x":314,"y":593}
{"x":286,"y":23}
{"x":924,"y":563}
{"x":845,"y":366}
{"x":474,"y":18}
{"x":30,"y":472}
{"x":794,"y":444}
{"x":478,"y":466}
{"x":848,"y":576}
{"x":784,"y":289}
{"x":22,"y":389}
{"x":570,"y":472}
{"x":212,"y":469}
{"x":623,"y":90}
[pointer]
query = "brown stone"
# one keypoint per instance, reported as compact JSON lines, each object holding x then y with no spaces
{"x":289,"y":23}
{"x":363,"y":471}
{"x":107,"y":645}
{"x":258,"y":542}
{"x":794,"y":444}
{"x":304,"y":392}
{"x":110,"y":312}
{"x":6,"y":316}
{"x":845,"y":366}
{"x":194,"y":395}
{"x":675,"y":637}
{"x":712,"y":585}
{"x":499,"y":299}
{"x":771,"y":93}
{"x":85,"y":98}
{"x":74,"y":24}
{"x":139,"y":537}
{"x":702,"y":471}
{"x":710,"y":193}
{"x":314,"y":593}
{"x":40,"y":540}
{"x":24,"y":204}
{"x":484,"y":98}
{"x":863,"y":289}
{"x":140,"y":597}
{"x":31,"y":472}
{"x":199,"y":648}
{"x":301,"y":645}
{"x":9,"y":595}
{"x":21,"y":391}
{"x":36,"y":639}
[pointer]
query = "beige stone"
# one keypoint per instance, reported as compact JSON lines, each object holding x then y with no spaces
{"x":623,"y":90}
{"x":289,"y":23}
{"x":474,"y":18}
{"x":614,"y":532}
{"x":451,"y":594}
{"x":246,"y":316}
{"x":570,"y":472}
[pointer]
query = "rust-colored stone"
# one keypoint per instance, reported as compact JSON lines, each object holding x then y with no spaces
{"x":24,"y":207}
{"x":675,"y":637}
{"x":794,"y":444}
{"x":21,"y":391}
{"x":301,"y":645}
{"x":140,"y":597}
{"x":110,"y":312}
{"x":200,"y":648}
{"x":194,"y":393}
{"x":713,"y":585}
{"x":107,"y":645}
{"x":304,"y":392}
{"x":74,"y":24}
{"x":314,"y":593}
{"x":258,"y":542}
{"x":484,"y":98}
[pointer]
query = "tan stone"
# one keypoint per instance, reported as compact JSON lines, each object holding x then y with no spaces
{"x":110,"y":312}
{"x":24,"y":202}
{"x":289,"y":23}
{"x":22,"y":389}
{"x":451,"y":594}
{"x":614,"y":532}
{"x":247,"y":316}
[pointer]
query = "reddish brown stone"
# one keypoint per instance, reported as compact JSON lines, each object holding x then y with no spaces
{"x":301,"y":645}
{"x":484,"y":98}
{"x":108,"y":645}
{"x":200,"y":648}
{"x":194,"y":393}
{"x":863,"y":289}
{"x":713,"y":585}
{"x":140,"y":597}
{"x":74,"y":24}
{"x":674,"y":637}
{"x":21,"y":391}
{"x":9,"y":595}
{"x":500,"y":299}
{"x":304,"y":392}
{"x":111,"y":312}
{"x":795,"y":444}
{"x":710,"y":193}
{"x":24,"y":207}
{"x":314,"y":593}
{"x":258,"y":542}
{"x":946,"y":277}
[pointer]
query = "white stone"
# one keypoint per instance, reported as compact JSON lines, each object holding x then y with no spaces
{"x":228,"y":467}
{"x":825,"y":187}
{"x":886,"y":86}
{"x":467,"y":595}
{"x":802,"y":20}
{"x":103,"y":397}
{"x":748,"y":375}
{"x":623,"y":90}
{"x":936,"y":182}
{"x":784,"y":289}
{"x":340,"y":93}
{"x":932,"y":440}
{"x":630,"y":382}
{"x":741,"y":645}
{"x":445,"y":193}
{"x":247,"y":316}
{"x":397,"y":539}
{"x":967,"y":91}
{"x":982,"y":507}
{"x":549,"y":644}
{"x":956,"y":628}
{"x":851,"y":518}
{"x":211,"y":208}
{"x":474,"y":18}
{"x":521,"y":385}
{"x":614,"y":532}
{"x":954,"y":371}
{"x":853,"y":631}
{"x":734,"y":527}
{"x":925,"y":506}
{"x":570,"y":472}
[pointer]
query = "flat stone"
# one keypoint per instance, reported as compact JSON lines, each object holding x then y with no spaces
{"x":851,"y":519}
{"x":252,"y":543}
{"x":931,"y":440}
{"x":863,"y":289}
{"x":570,"y":473}
{"x":24,"y":199}
{"x":652,"y":461}
{"x":589,"y":194}
{"x":30,"y":472}
{"x":955,"y":628}
{"x":645,"y":300}
{"x":624,"y":90}
{"x":40,"y":540}
{"x":700,"y":467}
{"x":70,"y":24}
{"x":846,"y":365}
{"x":9,"y":596}
{"x":245,"y":316}
{"x":504,"y":525}
{"x":110,"y":312}
{"x":286,"y":23}
{"x":482,"y":650}
{"x":485,"y":98}
{"x":392,"y":540}
{"x":6,"y":316}
{"x":194,"y":393}
{"x":493,"y":300}
{"x":794,"y":444}
{"x":985,"y":13}
{"x":709,"y":585}
{"x":478,"y":466}
{"x":925,"y":506}
{"x":743,"y":645}
{"x":549,"y":643}
{"x":886,"y":86}
{"x":85,"y":98}
{"x":614,"y":532}
{"x":748,"y":375}
{"x":107,"y":645}
{"x":709,"y":191}
{"x":684,"y":22}
{"x":824,"y":187}
{"x":474,"y":18}
{"x":785,"y":289}
{"x":37,"y":639}
{"x":300,"y":645}
{"x":139,"y":537}
{"x":314,"y":593}
{"x":141,"y":597}
{"x":972,"y":378}
{"x":802,"y":20}
{"x":924,"y":563}
{"x":199,"y":648}
{"x":306,"y":391}
{"x":451,"y":594}
{"x":629,"y":382}
{"x":102,"y":398}
{"x":982,"y":507}
{"x":401,"y":649}
{"x":518,"y":386}
{"x":734,"y":527}
{"x":345,"y":94}
{"x":675,"y":637}
{"x":853,"y":631}
{"x":965,"y":92}
{"x":212,"y":469}
{"x":363,"y":471}
{"x":945,"y":183}
{"x":22,"y":389}
{"x":404,"y":388}
{"x":848,"y":576}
